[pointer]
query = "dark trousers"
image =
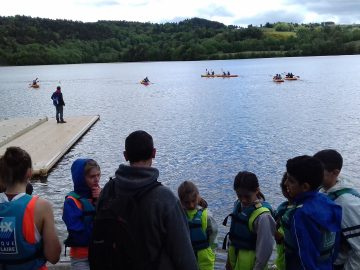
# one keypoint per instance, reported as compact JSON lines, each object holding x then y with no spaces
{"x":59,"y":113}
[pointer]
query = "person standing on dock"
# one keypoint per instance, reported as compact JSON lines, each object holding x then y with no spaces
{"x":79,"y":210}
{"x":58,"y":101}
{"x":28,"y":236}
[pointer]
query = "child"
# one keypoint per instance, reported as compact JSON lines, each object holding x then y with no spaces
{"x":203,"y":228}
{"x":282,"y":227}
{"x":28,"y":236}
{"x":349,"y":200}
{"x":252,"y":226}
{"x":314,"y":223}
{"x":79,"y":210}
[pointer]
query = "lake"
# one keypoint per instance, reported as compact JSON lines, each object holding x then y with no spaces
{"x":205,"y":129}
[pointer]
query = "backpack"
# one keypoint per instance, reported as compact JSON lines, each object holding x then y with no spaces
{"x":117,"y":240}
{"x":55,"y":100}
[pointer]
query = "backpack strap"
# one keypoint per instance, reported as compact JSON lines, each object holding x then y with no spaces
{"x":336,"y":194}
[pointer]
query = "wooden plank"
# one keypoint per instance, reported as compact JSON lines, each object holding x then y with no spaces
{"x":15,"y":127}
{"x":48,"y":142}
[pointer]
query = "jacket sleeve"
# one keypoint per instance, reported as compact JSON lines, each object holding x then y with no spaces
{"x":178,"y":243}
{"x":265,"y":227}
{"x":301,"y":229}
{"x":72,"y":216}
{"x":212,"y":229}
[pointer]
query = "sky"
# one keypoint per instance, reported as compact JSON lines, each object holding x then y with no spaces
{"x":235,"y":12}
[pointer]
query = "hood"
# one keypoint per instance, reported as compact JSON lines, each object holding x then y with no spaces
{"x":324,"y":211}
{"x":135,"y":178}
{"x":78,"y":177}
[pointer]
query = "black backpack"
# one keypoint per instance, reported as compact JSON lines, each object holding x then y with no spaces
{"x":117,"y":241}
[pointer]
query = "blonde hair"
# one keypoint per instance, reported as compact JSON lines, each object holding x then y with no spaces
{"x":90,"y":164}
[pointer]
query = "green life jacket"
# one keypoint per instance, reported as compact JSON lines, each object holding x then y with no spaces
{"x":199,"y":239}
{"x":336,"y":194}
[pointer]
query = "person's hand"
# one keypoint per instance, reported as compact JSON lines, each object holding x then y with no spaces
{"x":95,"y":192}
{"x":279,"y":238}
{"x":203,"y":203}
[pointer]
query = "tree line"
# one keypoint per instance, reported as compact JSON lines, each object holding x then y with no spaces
{"x":36,"y":41}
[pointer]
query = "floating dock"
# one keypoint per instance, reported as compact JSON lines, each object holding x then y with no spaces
{"x":45,"y":140}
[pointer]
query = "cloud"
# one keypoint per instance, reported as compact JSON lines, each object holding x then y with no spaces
{"x":343,"y":11}
{"x":174,"y":20}
{"x":214,"y":11}
{"x":272,"y":17}
{"x":99,"y":3}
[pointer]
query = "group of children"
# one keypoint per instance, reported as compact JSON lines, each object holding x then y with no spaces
{"x":317,"y":227}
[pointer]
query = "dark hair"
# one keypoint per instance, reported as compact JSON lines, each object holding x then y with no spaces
{"x":58,"y":88}
{"x":283,"y":186}
{"x":14,"y":165}
{"x":187,"y":189}
{"x":90,"y":164}
{"x":331,"y":159}
{"x":139,"y":146}
{"x":306,"y":169}
{"x":248,"y":181}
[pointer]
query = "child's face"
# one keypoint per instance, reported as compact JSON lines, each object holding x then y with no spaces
{"x":330,"y":178}
{"x":92,"y":178}
{"x":247,"y":198}
{"x":190,"y":202}
{"x":293,"y":186}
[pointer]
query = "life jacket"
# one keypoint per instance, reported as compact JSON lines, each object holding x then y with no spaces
{"x":326,"y":247}
{"x":88,"y":213}
{"x":16,"y":251}
{"x":241,"y":232}
{"x":336,"y":194}
{"x":199,"y":239}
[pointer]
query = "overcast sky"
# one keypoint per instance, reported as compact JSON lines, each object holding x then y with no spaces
{"x":238,"y":12}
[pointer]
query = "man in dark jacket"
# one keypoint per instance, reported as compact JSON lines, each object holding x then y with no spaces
{"x":58,"y":102}
{"x":163,"y":225}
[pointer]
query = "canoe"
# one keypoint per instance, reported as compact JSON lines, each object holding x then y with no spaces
{"x":35,"y":86}
{"x":208,"y":76}
{"x":226,"y":76}
{"x":291,"y":79}
{"x":144,"y":83}
{"x":278,"y":80}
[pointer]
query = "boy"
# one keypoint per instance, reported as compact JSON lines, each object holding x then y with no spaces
{"x":311,"y":228}
{"x":349,"y":200}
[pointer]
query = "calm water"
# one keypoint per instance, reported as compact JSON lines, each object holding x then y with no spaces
{"x":205,"y":130}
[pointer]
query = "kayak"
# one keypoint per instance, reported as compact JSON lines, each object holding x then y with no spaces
{"x":291,"y":79}
{"x":208,"y":76}
{"x":226,"y":76}
{"x":35,"y":86}
{"x":144,"y":82}
{"x":278,"y":80}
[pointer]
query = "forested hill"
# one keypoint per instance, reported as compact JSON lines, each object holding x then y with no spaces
{"x":26,"y":41}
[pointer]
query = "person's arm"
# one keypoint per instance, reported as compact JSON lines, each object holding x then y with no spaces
{"x":265,"y":227}
{"x":212,"y":229}
{"x":178,"y":243}
{"x":45,"y":216}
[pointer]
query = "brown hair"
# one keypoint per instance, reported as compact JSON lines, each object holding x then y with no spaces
{"x":187,"y":189}
{"x":90,"y":164}
{"x":13,"y":166}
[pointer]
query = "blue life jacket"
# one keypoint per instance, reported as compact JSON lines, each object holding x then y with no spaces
{"x":15,"y":251}
{"x":88,"y":213}
{"x":199,"y":239}
{"x":241,"y":232}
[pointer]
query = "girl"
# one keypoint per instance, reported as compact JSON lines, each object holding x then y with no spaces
{"x":79,"y":210}
{"x":203,"y":228}
{"x":252,"y":226}
{"x":27,"y":222}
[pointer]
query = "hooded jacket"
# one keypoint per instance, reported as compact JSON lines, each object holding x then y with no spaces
{"x":165,"y":229}
{"x":57,"y":98}
{"x":317,"y":215}
{"x":79,"y":231}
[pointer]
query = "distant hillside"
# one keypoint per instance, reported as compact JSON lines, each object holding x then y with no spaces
{"x":27,"y":41}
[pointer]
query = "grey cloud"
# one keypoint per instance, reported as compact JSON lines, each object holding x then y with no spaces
{"x":174,"y":20}
{"x":271,"y":17}
{"x":347,"y":11}
{"x":213,"y":11}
